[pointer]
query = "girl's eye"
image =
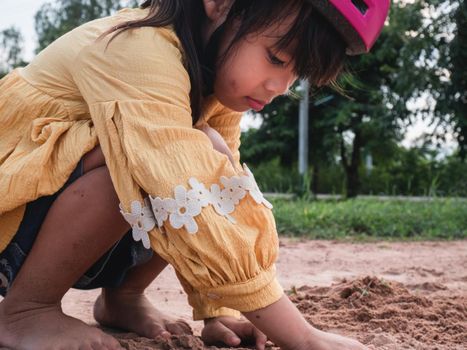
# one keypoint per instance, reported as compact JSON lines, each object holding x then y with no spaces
{"x":274,"y":60}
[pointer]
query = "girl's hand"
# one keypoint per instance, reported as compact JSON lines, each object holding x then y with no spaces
{"x":232,"y":331}
{"x":217,"y":141}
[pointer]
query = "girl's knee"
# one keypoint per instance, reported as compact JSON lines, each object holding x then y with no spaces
{"x":93,"y":159}
{"x":95,"y":185}
{"x":95,"y":190}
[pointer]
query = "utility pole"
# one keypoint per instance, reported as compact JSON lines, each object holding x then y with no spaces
{"x":303,"y":126}
{"x":303,"y":130}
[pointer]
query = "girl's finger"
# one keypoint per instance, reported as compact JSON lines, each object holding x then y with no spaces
{"x":247,"y":331}
{"x":228,"y":336}
{"x":261,"y":339}
{"x":220,"y":333}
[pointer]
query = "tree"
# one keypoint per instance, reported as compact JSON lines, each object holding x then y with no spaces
{"x":11,"y":50}
{"x":277,"y":136}
{"x":400,"y":68}
{"x":55,"y":19}
{"x":452,"y":101}
{"x":367,"y":114}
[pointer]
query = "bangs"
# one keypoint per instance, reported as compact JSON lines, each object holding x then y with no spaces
{"x":317,"y":48}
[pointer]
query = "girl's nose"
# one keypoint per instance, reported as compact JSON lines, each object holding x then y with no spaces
{"x":278,"y":85}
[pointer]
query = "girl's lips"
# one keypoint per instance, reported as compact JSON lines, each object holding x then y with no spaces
{"x":255,"y":104}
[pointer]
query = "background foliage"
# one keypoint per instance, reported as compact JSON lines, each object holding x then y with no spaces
{"x":421,"y":54}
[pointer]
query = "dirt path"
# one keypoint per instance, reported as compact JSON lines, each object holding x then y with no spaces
{"x":390,"y":296}
{"x":416,"y":297}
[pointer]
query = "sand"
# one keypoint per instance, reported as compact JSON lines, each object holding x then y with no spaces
{"x":386,"y":314}
{"x":389,"y":296}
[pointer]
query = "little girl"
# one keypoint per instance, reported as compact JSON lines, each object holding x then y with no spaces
{"x":108,"y":172}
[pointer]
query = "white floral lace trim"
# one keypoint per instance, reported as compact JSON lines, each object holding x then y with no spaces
{"x":181,"y":210}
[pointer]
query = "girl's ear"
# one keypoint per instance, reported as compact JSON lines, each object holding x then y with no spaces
{"x":217,"y":10}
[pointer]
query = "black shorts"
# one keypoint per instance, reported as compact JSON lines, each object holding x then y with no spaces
{"x":108,"y":271}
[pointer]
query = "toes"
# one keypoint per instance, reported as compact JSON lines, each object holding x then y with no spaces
{"x":155,"y":330}
{"x":113,"y":344}
{"x":107,"y":343}
{"x":88,"y":347}
{"x":179,"y":327}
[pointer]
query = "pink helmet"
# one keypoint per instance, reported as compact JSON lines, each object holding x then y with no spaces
{"x":358,"y":21}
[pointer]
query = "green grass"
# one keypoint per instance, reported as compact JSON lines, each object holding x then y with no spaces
{"x":372,"y":219}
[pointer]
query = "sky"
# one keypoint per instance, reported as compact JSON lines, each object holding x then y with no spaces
{"x":20,"y":13}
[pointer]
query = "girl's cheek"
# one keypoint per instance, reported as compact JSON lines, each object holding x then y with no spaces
{"x":233,"y":85}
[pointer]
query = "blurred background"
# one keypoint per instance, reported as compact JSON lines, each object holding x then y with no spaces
{"x":394,"y":132}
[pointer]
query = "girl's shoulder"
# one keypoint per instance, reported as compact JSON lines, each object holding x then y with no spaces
{"x":132,"y":14}
{"x":136,"y":48}
{"x":150,"y":35}
{"x":144,"y":46}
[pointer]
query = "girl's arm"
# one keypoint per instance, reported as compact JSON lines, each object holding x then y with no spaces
{"x":282,"y":323}
{"x":286,"y":327}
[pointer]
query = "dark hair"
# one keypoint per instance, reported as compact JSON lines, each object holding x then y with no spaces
{"x":319,"y":53}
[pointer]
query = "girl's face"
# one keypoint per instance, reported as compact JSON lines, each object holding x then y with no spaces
{"x":253,"y":73}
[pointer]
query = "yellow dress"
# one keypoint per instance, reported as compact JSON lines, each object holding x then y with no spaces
{"x":131,"y":96}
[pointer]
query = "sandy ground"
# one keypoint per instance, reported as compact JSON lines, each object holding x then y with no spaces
{"x":388,"y":295}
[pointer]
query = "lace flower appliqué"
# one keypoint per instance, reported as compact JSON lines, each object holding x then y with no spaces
{"x":162,"y":208}
{"x":249,"y":183}
{"x":187,"y":209}
{"x":141,"y":220}
{"x":181,"y":210}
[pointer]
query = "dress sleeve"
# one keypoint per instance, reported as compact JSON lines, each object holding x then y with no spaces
{"x":181,"y":197}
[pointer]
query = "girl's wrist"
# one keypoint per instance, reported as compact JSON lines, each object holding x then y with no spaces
{"x":207,"y":320}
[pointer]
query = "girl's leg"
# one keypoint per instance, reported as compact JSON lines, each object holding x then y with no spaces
{"x":82,"y":224}
{"x":285,"y":326}
{"x":127,"y":307}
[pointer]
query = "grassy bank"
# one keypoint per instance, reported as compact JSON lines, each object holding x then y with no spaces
{"x":372,"y":219}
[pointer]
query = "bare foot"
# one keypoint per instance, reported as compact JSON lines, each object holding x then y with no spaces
{"x":135,"y":313}
{"x":38,"y":327}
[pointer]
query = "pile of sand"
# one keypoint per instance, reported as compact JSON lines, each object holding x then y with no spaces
{"x":386,"y":314}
